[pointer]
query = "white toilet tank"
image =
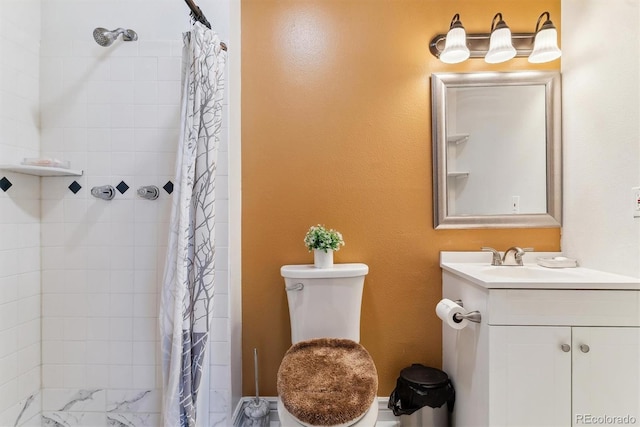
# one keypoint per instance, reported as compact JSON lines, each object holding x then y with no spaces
{"x":324,"y":302}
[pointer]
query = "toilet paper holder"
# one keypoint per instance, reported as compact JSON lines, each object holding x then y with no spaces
{"x":472,"y":316}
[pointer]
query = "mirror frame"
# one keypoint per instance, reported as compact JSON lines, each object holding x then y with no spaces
{"x":440,"y":82}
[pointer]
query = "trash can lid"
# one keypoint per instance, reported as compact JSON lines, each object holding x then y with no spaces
{"x":425,"y":376}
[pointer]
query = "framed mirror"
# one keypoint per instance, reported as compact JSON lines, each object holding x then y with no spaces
{"x":496,"y":149}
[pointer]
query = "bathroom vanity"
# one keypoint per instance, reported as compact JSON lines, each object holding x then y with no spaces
{"x":555,"y":346}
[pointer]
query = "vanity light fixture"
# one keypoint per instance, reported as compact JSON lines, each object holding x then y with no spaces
{"x":499,"y":45}
{"x":455,"y":47}
{"x":545,"y":46}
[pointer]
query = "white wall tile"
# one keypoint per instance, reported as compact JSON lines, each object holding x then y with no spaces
{"x":154,"y":48}
{"x":168,"y":92}
{"x":122,"y":258}
{"x":122,"y":139}
{"x":121,"y":281}
{"x":98,"y":115}
{"x":169,"y":68}
{"x":145,"y":329}
{"x":98,"y":353}
{"x":28,"y":308}
{"x":120,"y":353}
{"x":97,"y":305}
{"x":98,"y":376}
{"x":120,"y":329}
{"x":9,"y":315}
{"x":121,"y":69}
{"x":53,"y":329}
{"x":8,"y":368}
{"x":145,"y":116}
{"x":146,"y":163}
{"x":144,"y":353}
{"x":97,"y":328}
{"x":146,"y":69}
{"x":168,"y":116}
{"x":122,"y":93}
{"x":145,"y":305}
{"x":74,"y":352}
{"x":121,"y":305}
{"x":122,"y":115}
{"x":146,"y":282}
{"x":144,"y":377}
{"x":120,"y":376}
{"x":98,"y":140}
{"x":220,"y":353}
{"x":145,"y":92}
{"x":75,"y":376}
{"x":29,"y":333}
{"x":99,"y":92}
{"x":74,"y":329}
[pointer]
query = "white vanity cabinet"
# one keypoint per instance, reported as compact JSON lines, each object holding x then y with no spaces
{"x":544,"y":354}
{"x":562,"y":376}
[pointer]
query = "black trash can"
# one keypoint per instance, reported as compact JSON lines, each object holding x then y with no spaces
{"x":420,"y":395}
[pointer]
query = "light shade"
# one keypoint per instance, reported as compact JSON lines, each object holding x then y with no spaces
{"x":500,"y":47}
{"x":455,"y":46}
{"x":545,"y":45}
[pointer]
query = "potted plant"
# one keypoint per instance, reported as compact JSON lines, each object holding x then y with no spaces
{"x":323,"y":242}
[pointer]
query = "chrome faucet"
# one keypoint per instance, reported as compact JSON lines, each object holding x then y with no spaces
{"x":512,"y":256}
{"x":496,"y":255}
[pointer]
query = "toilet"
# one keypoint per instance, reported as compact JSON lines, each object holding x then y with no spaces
{"x":327,"y":378}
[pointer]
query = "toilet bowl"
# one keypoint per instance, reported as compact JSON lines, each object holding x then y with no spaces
{"x":367,"y":420}
{"x":326,"y":378}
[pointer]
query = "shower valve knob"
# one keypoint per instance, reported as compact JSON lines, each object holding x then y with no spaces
{"x":149,"y":192}
{"x":104,"y":192}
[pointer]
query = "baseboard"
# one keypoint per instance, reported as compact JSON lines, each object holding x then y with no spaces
{"x":384,"y":413}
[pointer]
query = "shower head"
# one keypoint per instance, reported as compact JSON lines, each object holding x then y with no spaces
{"x":105,"y":38}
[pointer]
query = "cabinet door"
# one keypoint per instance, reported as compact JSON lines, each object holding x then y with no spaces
{"x":606,"y":374}
{"x":530,"y":376}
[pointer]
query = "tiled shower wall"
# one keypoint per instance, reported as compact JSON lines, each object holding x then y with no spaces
{"x":113,"y":112}
{"x":19,"y":216}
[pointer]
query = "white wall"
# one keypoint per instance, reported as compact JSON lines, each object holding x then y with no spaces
{"x":601,"y":133}
{"x":19,"y":216}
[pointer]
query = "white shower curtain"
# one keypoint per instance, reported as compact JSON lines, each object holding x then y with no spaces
{"x":188,"y":283}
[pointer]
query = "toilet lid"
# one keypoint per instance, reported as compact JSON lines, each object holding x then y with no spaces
{"x":327,"y":381}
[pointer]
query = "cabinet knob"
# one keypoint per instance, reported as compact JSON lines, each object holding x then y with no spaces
{"x":566,"y":348}
{"x":584,"y":348}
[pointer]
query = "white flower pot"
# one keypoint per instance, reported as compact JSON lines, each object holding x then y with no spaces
{"x":322,"y":259}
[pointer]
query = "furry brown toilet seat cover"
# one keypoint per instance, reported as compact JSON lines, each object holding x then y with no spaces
{"x":327,"y":381}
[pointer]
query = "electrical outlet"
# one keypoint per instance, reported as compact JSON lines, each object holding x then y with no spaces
{"x":515,"y":204}
{"x":635,"y":197}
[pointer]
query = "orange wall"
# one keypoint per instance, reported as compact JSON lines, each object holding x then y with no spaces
{"x":336,"y":129}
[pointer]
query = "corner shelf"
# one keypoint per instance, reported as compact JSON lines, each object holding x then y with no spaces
{"x":458,"y":138}
{"x":41,"y":170}
{"x":458,"y":175}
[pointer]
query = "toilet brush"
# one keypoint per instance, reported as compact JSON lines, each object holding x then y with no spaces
{"x":257,"y":410}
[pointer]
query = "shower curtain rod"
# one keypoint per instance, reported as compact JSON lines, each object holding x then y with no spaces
{"x":196,"y":14}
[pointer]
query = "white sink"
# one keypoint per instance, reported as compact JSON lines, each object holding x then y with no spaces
{"x":477,"y":268}
{"x":526,"y":272}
